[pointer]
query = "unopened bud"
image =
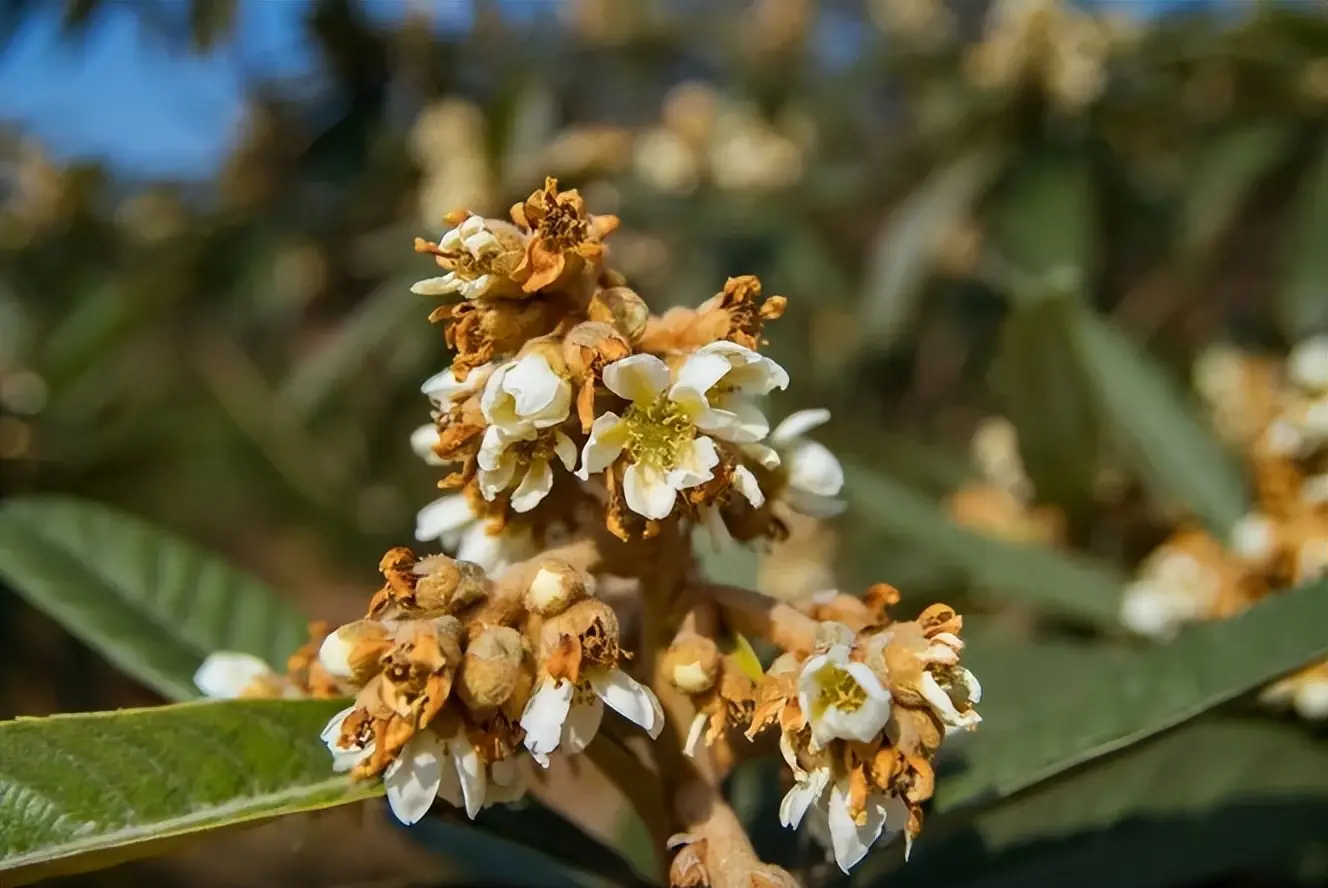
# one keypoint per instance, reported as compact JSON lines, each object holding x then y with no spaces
{"x":622,"y":308}
{"x":491,"y":668}
{"x":590,"y":620}
{"x":353,"y":651}
{"x":691,"y":663}
{"x":555,"y":588}
{"x":449,"y":585}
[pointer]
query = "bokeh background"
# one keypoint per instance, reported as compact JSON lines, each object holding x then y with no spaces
{"x":206,"y":217}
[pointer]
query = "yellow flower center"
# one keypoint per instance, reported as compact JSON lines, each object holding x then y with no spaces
{"x":838,"y":689}
{"x":658,"y":433}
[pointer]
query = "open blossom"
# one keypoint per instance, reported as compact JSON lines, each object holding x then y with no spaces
{"x":479,"y":256}
{"x":453,"y":522}
{"x":842,"y":699}
{"x":667,"y":436}
{"x":812,"y":477}
{"x":581,"y":675}
{"x":523,"y":401}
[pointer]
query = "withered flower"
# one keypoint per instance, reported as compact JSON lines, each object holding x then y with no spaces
{"x":564,"y":236}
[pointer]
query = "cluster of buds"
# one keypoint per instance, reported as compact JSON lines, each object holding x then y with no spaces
{"x":233,"y":675}
{"x":1276,"y":413}
{"x":457,"y":678}
{"x":1001,"y":502}
{"x":862,"y":705}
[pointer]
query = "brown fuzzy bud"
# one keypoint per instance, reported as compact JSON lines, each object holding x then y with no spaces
{"x":556,"y":587}
{"x":692,"y":663}
{"x":622,"y":308}
{"x":449,"y":586}
{"x":593,"y":624}
{"x":491,"y":668}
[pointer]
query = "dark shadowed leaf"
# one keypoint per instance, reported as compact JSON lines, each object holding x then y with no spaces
{"x":1054,"y":582}
{"x":81,"y":792}
{"x":1050,"y":730}
{"x":151,"y":603}
{"x":1302,"y":300}
{"x":904,"y":248}
{"x":1225,"y":172}
{"x":1045,"y":222}
{"x":1157,"y":426}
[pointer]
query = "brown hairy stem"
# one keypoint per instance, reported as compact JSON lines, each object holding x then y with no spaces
{"x":760,"y":616}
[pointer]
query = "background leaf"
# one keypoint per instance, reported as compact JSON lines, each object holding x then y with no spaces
{"x":1048,"y":730}
{"x":79,"y":792}
{"x":1302,"y":301}
{"x":1223,"y":174}
{"x":1057,"y":583}
{"x":153,"y":604}
{"x":1044,"y":220}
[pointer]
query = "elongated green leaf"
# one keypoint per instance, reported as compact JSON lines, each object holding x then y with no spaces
{"x":150,"y":602}
{"x":1206,"y":799}
{"x":1045,"y":222}
{"x":1302,"y":301}
{"x":1048,"y":399}
{"x":1224,"y":173}
{"x":1157,"y":426}
{"x":78,"y":792}
{"x":904,"y":248}
{"x":1056,"y":582}
{"x":1053,"y":729}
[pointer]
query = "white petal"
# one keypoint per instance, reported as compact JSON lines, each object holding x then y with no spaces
{"x":436,"y":286}
{"x":544,"y":715}
{"x":444,"y":516}
{"x":582,"y":723}
{"x":944,"y":707}
{"x":532,"y":384}
{"x":1311,"y":700}
{"x":746,"y":484}
{"x":1147,"y":610}
{"x":494,"y":481}
{"x":799,"y":423}
{"x":332,"y":730}
{"x":534,"y":486}
{"x":802,"y":796}
{"x":852,"y":842}
{"x":1307,"y":364}
{"x":443,"y":388}
{"x":696,"y":464}
{"x":694,"y":734}
{"x":412,"y":780}
{"x":700,"y":372}
{"x":469,"y":771}
{"x":720,"y":538}
{"x":608,"y":436}
{"x":765,"y":457}
{"x":648,"y":491}
{"x":812,"y":504}
{"x":495,"y":552}
{"x":638,"y":378}
{"x":629,"y":698}
{"x":565,"y":449}
{"x":334,"y":654}
{"x":422,"y":442}
{"x":814,"y":469}
{"x":734,"y":419}
{"x":449,"y":786}
{"x":225,"y":674}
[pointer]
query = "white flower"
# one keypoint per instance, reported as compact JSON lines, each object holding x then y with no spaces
{"x":1173,"y":588}
{"x":841,"y":698}
{"x":851,"y":840}
{"x":665,"y":433}
{"x":433,"y":766}
{"x":475,"y":250}
{"x":1254,"y":538}
{"x":1305,"y":691}
{"x":807,"y":792}
{"x":343,"y":757}
{"x":942,"y":687}
{"x":423,"y":441}
{"x":566,"y":716}
{"x":524,"y":461}
{"x":225,"y":675}
{"x":814,"y":476}
{"x":1307,"y":364}
{"x":444,"y":389}
{"x":451,"y":520}
{"x":525,"y":395}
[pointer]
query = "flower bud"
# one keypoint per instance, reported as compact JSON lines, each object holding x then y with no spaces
{"x":622,"y":308}
{"x":692,"y":663}
{"x":491,"y":668}
{"x":447,"y":585}
{"x":595,"y":626}
{"x":555,"y":588}
{"x":353,"y":651}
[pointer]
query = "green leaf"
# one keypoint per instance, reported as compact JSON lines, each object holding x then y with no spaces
{"x":1046,"y":396}
{"x":903,"y":249}
{"x":153,"y":604}
{"x":1045,"y":223}
{"x":1302,"y":300}
{"x":1227,"y":169}
{"x":79,"y":792}
{"x":1053,"y":729}
{"x":1157,"y":426}
{"x":1204,"y":800}
{"x":1056,"y":582}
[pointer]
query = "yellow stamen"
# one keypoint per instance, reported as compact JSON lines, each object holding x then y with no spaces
{"x":658,"y":433}
{"x":838,"y":689}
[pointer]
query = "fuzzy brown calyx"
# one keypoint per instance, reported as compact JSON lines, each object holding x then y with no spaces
{"x":622,"y":309}
{"x":491,"y":668}
{"x":555,"y":587}
{"x":585,"y":635}
{"x":426,"y":587}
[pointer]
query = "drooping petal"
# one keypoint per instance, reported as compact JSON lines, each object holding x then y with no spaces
{"x":332,"y":730}
{"x":648,"y":491}
{"x":608,"y":436}
{"x":746,"y":484}
{"x":797,"y":424}
{"x":422,"y":442}
{"x":534,"y":486}
{"x":763,"y":456}
{"x":225,"y":674}
{"x":694,"y":734}
{"x":343,"y":758}
{"x":436,"y":286}
{"x":582,"y":723}
{"x":412,"y":780}
{"x":544,"y":715}
{"x":802,"y":796}
{"x":696,"y":464}
{"x":734,"y":418}
{"x":565,"y":449}
{"x":495,"y":403}
{"x":449,"y":786}
{"x":494,"y":481}
{"x":638,"y":378}
{"x":814,"y":469}
{"x":852,"y":842}
{"x":443,"y":388}
{"x":629,"y":698}
{"x":469,"y":771}
{"x":445,"y":517}
{"x":943,"y":706}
